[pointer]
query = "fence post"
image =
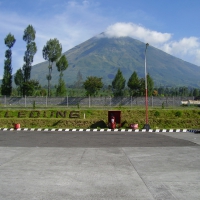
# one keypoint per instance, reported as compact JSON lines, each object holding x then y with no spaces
{"x":67,"y":100}
{"x":89,"y":101}
{"x":152,"y":101}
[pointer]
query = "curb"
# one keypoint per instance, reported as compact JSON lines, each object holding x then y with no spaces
{"x":194,"y":131}
{"x":101,"y":130}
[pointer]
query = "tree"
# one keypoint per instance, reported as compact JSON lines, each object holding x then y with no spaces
{"x":196,"y":92}
{"x":51,"y":52}
{"x":19,"y":81}
{"x":61,"y":88}
{"x":118,"y":84}
{"x":79,"y":81}
{"x":31,"y":87}
{"x":134,"y":84}
{"x":31,"y":49}
{"x":92,"y":85}
{"x":150,"y":86}
{"x":61,"y":65}
{"x":6,"y":87}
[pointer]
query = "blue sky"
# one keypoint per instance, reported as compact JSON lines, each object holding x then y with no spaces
{"x":170,"y":25}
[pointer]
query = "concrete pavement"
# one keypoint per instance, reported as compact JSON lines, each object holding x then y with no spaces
{"x":128,"y":166}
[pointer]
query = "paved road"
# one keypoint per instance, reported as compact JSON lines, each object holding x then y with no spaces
{"x":99,"y":165}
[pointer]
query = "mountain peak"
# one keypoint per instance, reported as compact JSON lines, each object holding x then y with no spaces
{"x":102,"y":56}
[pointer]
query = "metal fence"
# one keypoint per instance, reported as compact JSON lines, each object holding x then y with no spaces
{"x":91,"y":101}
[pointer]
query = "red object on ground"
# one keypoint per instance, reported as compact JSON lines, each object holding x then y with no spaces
{"x":17,"y":126}
{"x":113,"y":123}
{"x":134,"y":126}
{"x":115,"y":116}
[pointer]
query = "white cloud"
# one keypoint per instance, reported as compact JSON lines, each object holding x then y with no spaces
{"x":186,"y":48}
{"x":137,"y":32}
{"x":183,"y":46}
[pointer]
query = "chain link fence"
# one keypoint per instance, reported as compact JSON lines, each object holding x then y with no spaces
{"x":92,"y":101}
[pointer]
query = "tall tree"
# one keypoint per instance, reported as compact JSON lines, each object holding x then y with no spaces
{"x":118,"y":84}
{"x":19,"y":81}
{"x":79,"y":79}
{"x":61,"y":65}
{"x":6,"y":87}
{"x":92,"y":85}
{"x":51,"y":52}
{"x":134,"y":84}
{"x":31,"y":49}
{"x":150,"y":85}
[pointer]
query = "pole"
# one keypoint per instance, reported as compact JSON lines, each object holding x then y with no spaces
{"x":146,"y":126}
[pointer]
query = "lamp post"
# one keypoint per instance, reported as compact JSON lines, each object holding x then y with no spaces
{"x":146,"y":126}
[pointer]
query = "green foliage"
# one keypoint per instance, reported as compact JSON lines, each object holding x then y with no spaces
{"x":62,"y":65}
{"x":29,"y":34}
{"x":31,"y":87}
{"x":61,"y":90}
{"x":10,"y":40}
{"x":157,"y":113}
{"x":79,"y":80}
{"x":178,"y":113}
{"x":150,"y":85}
{"x":118,"y":84}
{"x":163,"y":105}
{"x":51,"y":52}
{"x":18,"y":78}
{"x":47,"y":118}
{"x":6,"y":87}
{"x":134,"y":84}
{"x":92,"y":85}
{"x":31,"y":49}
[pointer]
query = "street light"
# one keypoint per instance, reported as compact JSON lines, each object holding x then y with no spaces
{"x":146,"y":126}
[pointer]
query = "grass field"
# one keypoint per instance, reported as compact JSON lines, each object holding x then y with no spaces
{"x":183,"y":117}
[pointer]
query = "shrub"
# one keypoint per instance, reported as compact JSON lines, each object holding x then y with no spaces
{"x":178,"y":114}
{"x":156,"y":114}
